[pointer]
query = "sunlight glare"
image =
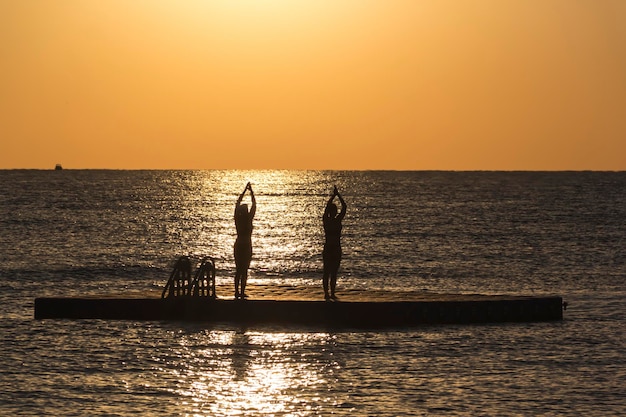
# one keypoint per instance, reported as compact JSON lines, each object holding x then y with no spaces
{"x":266,"y":9}
{"x":250,"y":372}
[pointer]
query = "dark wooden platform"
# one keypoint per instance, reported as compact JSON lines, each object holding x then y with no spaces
{"x":285,"y":305}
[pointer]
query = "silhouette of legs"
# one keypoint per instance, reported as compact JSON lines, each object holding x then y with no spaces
{"x":325,"y":284}
{"x":333,"y":284}
{"x":237,"y":279}
{"x":243,"y":256}
{"x":241,"y":278}
{"x":331,"y":268}
{"x":244,"y":279}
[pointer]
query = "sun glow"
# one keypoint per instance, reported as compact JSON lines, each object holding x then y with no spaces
{"x":264,"y":9}
{"x":243,"y":17}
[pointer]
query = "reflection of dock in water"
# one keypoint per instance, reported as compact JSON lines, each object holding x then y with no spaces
{"x":305,"y":306}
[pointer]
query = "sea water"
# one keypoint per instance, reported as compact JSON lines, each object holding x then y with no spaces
{"x":103,"y":232}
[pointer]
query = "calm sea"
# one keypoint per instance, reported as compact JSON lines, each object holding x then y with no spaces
{"x":77,"y":232}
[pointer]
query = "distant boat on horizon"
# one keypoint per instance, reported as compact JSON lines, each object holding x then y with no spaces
{"x":58,"y":167}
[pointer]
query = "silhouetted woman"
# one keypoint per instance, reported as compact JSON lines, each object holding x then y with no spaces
{"x":332,"y":245}
{"x":243,"y":243}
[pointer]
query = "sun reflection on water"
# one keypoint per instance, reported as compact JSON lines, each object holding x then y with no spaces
{"x":252,"y":373}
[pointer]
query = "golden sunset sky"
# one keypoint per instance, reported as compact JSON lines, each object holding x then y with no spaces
{"x":313,"y":84}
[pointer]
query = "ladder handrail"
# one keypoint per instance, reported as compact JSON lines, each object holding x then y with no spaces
{"x":205,"y":274}
{"x":180,"y":279}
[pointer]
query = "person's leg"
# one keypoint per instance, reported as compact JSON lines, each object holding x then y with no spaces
{"x":326,"y":275}
{"x":325,"y":284}
{"x":333,"y":280}
{"x":334,"y":272}
{"x":244,"y":270}
{"x":237,"y":268}
{"x":244,"y":280}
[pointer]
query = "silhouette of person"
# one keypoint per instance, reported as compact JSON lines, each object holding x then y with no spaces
{"x":243,"y":243}
{"x":332,"y":244}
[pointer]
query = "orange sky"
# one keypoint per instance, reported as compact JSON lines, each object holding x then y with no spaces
{"x":313,"y":84}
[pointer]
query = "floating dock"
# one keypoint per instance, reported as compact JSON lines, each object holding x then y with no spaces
{"x":296,"y":306}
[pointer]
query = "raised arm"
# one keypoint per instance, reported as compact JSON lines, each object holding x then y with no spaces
{"x":240,"y":198}
{"x":253,"y":208}
{"x":344,"y":206}
{"x":328,"y":203}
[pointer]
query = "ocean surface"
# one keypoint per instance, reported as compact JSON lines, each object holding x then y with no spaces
{"x":100,"y":232}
